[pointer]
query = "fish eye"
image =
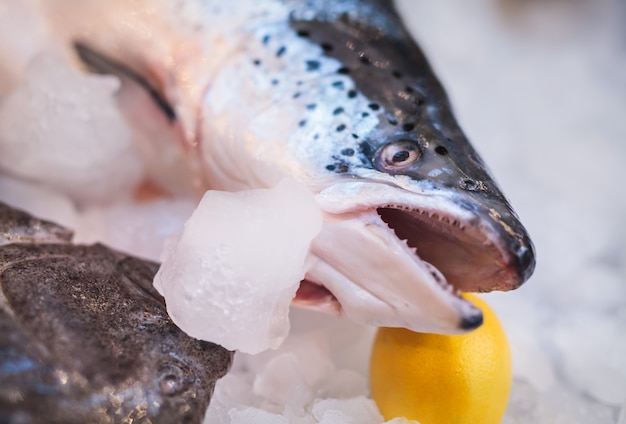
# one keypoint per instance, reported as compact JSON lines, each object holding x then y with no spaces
{"x":398,"y":154}
{"x":173,"y":379}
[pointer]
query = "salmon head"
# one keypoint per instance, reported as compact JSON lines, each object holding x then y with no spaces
{"x":338,"y":96}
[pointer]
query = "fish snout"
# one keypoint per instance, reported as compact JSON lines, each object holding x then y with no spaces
{"x":514,"y":243}
{"x":523,"y":260}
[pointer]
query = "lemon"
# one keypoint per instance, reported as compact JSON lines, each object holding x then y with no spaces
{"x":438,"y":379}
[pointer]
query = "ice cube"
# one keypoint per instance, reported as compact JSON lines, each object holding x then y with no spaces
{"x":282,"y":382}
{"x":359,"y":410}
{"x":334,"y":416}
{"x":230,"y":276}
{"x":344,"y":384}
{"x":309,"y":352}
{"x":346,"y":340}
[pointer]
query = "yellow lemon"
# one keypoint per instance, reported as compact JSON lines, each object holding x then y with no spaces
{"x":438,"y":379}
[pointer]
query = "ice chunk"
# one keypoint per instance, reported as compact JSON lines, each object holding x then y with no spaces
{"x":355,"y":410}
{"x":346,"y":339}
{"x":309,"y":349}
{"x":291,"y":375}
{"x":231,"y":275}
{"x":282,"y":382}
{"x":299,"y":374}
{"x":334,"y":416}
{"x":62,"y":128}
{"x":233,"y":391}
{"x":344,"y":384}
{"x":295,"y":371}
{"x":255,"y":416}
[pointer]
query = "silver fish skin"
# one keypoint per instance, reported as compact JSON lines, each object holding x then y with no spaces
{"x":337,"y":96}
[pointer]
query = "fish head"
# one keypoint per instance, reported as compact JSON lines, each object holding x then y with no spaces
{"x":413,"y":227}
{"x":413,"y":216}
{"x":341,"y":99}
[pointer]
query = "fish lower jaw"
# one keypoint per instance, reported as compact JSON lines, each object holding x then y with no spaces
{"x":358,"y":267}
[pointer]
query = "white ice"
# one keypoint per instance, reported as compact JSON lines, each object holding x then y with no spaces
{"x":230,"y":276}
{"x":316,"y":376}
{"x":255,"y":416}
{"x":61,"y":128}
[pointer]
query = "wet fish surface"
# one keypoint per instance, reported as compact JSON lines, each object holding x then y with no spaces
{"x":337,"y":96}
{"x":85,"y":338}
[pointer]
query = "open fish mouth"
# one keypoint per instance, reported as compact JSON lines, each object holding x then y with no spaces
{"x":463,"y":251}
{"x":421,"y":254}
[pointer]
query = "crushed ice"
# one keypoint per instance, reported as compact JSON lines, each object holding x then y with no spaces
{"x":311,"y":378}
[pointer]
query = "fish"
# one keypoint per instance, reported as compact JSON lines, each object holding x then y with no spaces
{"x":84,"y":337}
{"x":338,"y":96}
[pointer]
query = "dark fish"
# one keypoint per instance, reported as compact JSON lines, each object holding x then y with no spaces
{"x":338,"y":96}
{"x":84,"y":338}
